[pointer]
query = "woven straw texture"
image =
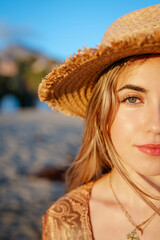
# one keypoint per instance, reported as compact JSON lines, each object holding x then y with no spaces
{"x":69,"y":87}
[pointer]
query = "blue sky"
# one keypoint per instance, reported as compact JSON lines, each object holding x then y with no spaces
{"x":59,"y":28}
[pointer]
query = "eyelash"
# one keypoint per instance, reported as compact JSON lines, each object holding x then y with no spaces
{"x":127,"y":97}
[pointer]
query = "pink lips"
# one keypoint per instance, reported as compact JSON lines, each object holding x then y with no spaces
{"x":150,"y":149}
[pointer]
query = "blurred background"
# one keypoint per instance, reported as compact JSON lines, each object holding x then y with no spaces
{"x":37,"y":145}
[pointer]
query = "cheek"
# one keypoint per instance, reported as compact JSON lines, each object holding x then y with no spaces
{"x":125,"y":126}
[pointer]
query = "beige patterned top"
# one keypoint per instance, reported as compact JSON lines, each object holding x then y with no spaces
{"x":69,"y":218}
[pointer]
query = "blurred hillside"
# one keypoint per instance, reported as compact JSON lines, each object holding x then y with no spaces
{"x":21,"y":70}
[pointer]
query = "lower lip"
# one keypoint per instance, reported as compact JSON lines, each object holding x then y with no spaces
{"x":150,"y":150}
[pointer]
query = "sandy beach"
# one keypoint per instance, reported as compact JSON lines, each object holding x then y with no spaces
{"x":32,"y":141}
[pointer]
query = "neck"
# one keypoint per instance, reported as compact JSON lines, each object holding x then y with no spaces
{"x":149,"y":185}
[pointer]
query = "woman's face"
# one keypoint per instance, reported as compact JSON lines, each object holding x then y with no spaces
{"x":135,"y":131}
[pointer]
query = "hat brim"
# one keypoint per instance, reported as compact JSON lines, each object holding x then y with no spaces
{"x":69,"y":87}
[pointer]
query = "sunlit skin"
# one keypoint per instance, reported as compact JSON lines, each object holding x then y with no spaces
{"x":135,"y":131}
{"x":135,"y":134}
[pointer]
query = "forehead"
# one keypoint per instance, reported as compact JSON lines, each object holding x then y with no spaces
{"x":140,"y":70}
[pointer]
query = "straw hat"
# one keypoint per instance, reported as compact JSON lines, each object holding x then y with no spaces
{"x":69,"y":87}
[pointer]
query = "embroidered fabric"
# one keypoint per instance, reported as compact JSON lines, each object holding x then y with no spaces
{"x":68,"y":218}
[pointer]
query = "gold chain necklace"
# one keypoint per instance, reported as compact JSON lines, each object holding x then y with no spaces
{"x":133,"y":235}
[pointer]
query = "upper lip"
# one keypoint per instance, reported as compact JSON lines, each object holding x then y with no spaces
{"x":150,"y":145}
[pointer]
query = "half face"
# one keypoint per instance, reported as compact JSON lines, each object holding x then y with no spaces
{"x":135,"y":131}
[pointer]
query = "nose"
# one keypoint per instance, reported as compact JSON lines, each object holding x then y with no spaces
{"x":153,"y":119}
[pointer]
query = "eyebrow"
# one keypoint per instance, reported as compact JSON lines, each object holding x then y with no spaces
{"x":133,"y":87}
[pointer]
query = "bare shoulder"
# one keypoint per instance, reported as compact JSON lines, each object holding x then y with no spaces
{"x":101,"y":190}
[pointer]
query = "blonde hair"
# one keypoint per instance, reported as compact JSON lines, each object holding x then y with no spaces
{"x":97,"y":154}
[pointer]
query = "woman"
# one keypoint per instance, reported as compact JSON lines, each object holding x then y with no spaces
{"x":114,"y":183}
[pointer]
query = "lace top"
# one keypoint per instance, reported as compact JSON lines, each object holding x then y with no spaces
{"x":69,"y":218}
